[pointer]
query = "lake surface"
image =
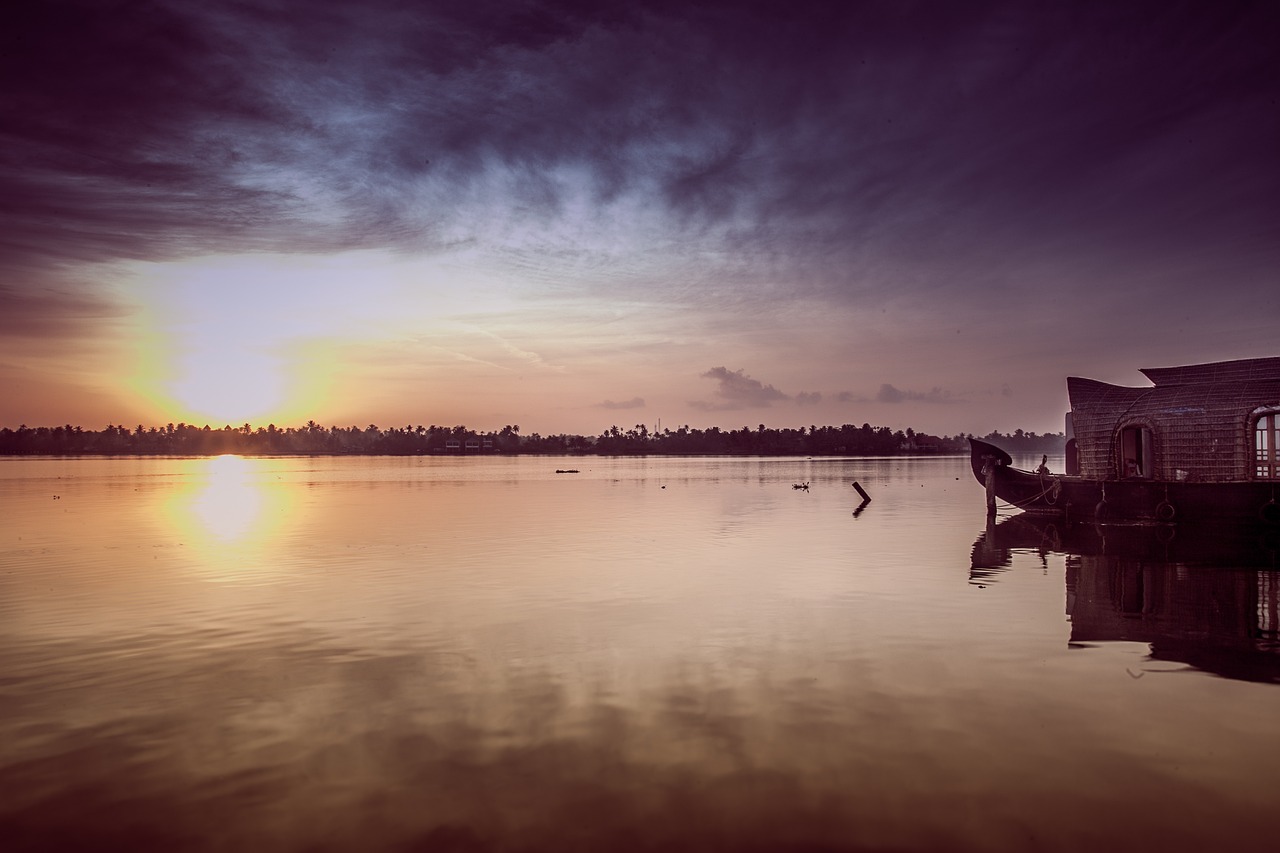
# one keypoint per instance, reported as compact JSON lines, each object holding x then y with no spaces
{"x":649,"y":654}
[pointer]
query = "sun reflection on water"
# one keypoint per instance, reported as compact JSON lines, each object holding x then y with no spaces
{"x":230,"y":502}
{"x":228,"y":509}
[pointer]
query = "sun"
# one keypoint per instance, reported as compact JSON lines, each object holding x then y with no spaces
{"x":230,"y":386}
{"x":284,"y":338}
{"x":212,"y":372}
{"x":239,"y":339}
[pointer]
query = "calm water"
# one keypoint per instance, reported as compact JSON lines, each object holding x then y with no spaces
{"x":666,"y":654}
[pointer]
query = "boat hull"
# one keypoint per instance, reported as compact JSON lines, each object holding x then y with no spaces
{"x":1121,"y":501}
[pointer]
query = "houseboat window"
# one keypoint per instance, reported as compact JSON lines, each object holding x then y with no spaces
{"x":1266,"y":439}
{"x":1135,"y":452}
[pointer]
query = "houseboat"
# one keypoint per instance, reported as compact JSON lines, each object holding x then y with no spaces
{"x":1201,"y":443}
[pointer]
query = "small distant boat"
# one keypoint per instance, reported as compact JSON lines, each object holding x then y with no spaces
{"x":1202,"y":443}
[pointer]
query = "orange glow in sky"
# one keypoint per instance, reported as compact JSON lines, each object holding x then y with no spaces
{"x":251,"y":339}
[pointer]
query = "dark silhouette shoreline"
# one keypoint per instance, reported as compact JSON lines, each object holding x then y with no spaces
{"x":315,"y":440}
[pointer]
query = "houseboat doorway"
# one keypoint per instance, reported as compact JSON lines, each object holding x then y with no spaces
{"x":1135,"y":453}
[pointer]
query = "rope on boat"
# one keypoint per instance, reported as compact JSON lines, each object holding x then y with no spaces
{"x":1050,"y":493}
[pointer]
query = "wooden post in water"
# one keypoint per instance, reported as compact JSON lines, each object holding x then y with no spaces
{"x":866,"y":499}
{"x":990,"y":469}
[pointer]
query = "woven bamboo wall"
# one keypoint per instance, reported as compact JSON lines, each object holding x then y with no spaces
{"x":1202,"y":429}
{"x":1096,"y":408}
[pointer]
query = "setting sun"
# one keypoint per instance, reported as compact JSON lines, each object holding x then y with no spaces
{"x":217,"y":344}
{"x":229,"y":387}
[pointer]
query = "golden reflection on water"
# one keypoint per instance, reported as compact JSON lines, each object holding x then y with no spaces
{"x":230,"y":502}
{"x":227,"y":505}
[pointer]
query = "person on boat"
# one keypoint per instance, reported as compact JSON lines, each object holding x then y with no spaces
{"x":1044,"y":464}
{"x":1131,"y":468}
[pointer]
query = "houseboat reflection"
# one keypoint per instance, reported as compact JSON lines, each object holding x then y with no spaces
{"x":1208,"y":598}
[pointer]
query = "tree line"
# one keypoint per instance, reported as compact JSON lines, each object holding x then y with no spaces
{"x":188,"y":440}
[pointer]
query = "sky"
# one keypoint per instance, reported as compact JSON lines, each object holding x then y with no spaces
{"x":569,"y":215}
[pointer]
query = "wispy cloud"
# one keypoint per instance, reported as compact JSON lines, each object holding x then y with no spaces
{"x":809,"y":398}
{"x":47,"y":313}
{"x":890,"y":394}
{"x":215,"y":126}
{"x":736,"y":390}
{"x":633,"y":403}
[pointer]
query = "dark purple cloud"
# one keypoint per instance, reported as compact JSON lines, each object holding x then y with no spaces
{"x":951,"y":157}
{"x":791,"y":113}
{"x":736,"y":390}
{"x":51,"y":314}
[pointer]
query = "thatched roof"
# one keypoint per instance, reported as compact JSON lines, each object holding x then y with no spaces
{"x":1200,"y":415}
{"x":1240,"y":370}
